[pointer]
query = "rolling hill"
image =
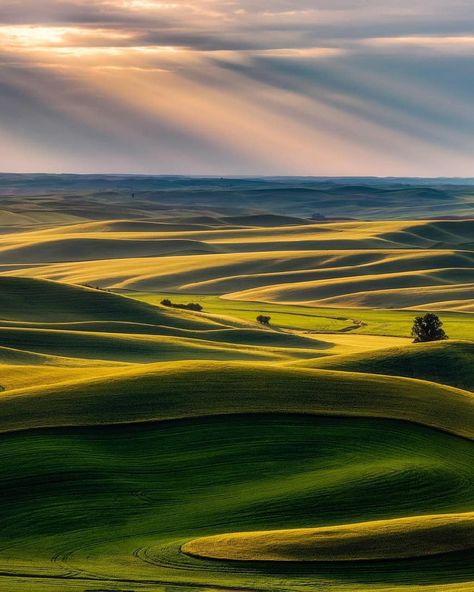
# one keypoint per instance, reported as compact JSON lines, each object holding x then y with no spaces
{"x":32,"y":300}
{"x":379,"y":264}
{"x":163,"y":392}
{"x":448,"y":362}
{"x":108,"y":517}
{"x":96,"y":508}
{"x":150,"y":448}
{"x":402,"y":538}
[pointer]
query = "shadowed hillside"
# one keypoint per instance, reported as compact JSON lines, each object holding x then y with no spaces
{"x":25,"y":299}
{"x":448,"y":362}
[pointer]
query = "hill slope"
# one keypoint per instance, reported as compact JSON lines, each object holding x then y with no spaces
{"x":193,"y":389}
{"x":403,"y":538}
{"x":34,"y":300}
{"x":386,"y":264}
{"x":447,"y":362}
{"x":111,"y":507}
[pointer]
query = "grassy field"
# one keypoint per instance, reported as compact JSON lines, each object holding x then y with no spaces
{"x":399,"y":538}
{"x":151,"y":448}
{"x":184,"y":389}
{"x":446,"y":362}
{"x":104,"y":515}
{"x":396,"y":323}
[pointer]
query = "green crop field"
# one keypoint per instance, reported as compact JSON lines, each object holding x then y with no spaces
{"x":395,"y":323}
{"x":112,"y":512}
{"x":154,"y":448}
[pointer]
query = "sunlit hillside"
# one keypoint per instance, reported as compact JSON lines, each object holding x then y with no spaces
{"x":283,"y":433}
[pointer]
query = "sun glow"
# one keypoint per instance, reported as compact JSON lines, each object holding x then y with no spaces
{"x":38,"y":36}
{"x":146,"y":5}
{"x":207,"y":85}
{"x":26,"y":35}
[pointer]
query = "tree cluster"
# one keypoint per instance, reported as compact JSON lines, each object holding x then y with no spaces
{"x":190,"y":306}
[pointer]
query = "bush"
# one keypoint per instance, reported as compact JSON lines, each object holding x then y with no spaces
{"x":428,"y":328}
{"x":263,"y":319}
{"x":190,"y":306}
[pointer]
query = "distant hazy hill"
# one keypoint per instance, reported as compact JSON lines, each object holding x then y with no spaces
{"x":98,"y":197}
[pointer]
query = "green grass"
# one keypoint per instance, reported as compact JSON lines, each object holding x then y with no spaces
{"x":29,"y":300}
{"x":396,"y":323}
{"x":399,"y":538}
{"x":142,"y":348}
{"x":109,"y":508}
{"x":185,"y":389}
{"x":60,"y":320}
{"x":446,"y":362}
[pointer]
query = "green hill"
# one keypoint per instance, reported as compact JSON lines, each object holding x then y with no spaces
{"x":447,"y":362}
{"x":108,"y":509}
{"x":34,"y":300}
{"x":188,"y":389}
{"x":403,"y":538}
{"x":158,"y":347}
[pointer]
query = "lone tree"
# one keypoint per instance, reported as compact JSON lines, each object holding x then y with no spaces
{"x":263,"y":319}
{"x":428,"y":328}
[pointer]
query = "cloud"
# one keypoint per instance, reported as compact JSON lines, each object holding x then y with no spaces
{"x":461,"y":44}
{"x":237,"y":86}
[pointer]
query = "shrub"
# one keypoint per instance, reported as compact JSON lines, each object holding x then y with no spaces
{"x":190,"y":306}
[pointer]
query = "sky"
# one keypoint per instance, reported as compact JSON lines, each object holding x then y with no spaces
{"x":238,"y":87}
